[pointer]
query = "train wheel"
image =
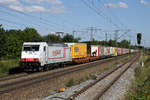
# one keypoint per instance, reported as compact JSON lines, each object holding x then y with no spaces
{"x":46,"y":68}
{"x":39,"y":69}
{"x":63,"y":65}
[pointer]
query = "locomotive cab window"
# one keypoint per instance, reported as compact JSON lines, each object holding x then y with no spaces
{"x":31,"y":48}
{"x":44,"y":48}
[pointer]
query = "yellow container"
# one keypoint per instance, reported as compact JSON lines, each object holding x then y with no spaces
{"x":79,"y":50}
{"x":115,"y":51}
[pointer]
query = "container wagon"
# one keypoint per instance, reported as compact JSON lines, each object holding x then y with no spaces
{"x":95,"y":52}
{"x":79,"y":52}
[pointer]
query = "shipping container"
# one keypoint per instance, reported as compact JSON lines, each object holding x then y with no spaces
{"x":102,"y":51}
{"x":115,"y":51}
{"x":95,"y":50}
{"x":119,"y":51}
{"x":78,"y":50}
{"x":112,"y":51}
{"x":108,"y":51}
{"x":58,"y":53}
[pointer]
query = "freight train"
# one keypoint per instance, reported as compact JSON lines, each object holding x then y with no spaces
{"x":39,"y":56}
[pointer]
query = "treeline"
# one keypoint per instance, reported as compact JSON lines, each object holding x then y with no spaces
{"x":11,"y":41}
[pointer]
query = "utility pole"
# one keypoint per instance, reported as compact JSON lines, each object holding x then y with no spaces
{"x":60,"y":33}
{"x":106,"y":36}
{"x":91,"y":29}
{"x":116,"y":35}
{"x":73,"y":32}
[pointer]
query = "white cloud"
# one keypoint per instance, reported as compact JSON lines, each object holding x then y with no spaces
{"x":119,"y":5}
{"x":9,"y":1}
{"x":16,"y":8}
{"x":35,"y":9}
{"x":53,"y":9}
{"x":57,"y":9}
{"x":55,"y":6}
{"x":144,"y":2}
{"x":58,"y":2}
{"x":13,"y":4}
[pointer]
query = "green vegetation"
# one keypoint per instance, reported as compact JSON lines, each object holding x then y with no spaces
{"x":106,"y":68}
{"x":11,"y":40}
{"x":110,"y":66}
{"x":140,"y":89}
{"x":93,"y":76}
{"x":5,"y":66}
{"x":81,"y":80}
{"x":70,"y":83}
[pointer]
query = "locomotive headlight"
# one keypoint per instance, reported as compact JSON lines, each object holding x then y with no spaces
{"x":36,"y":59}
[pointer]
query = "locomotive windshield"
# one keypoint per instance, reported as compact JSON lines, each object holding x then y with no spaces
{"x":31,"y":48}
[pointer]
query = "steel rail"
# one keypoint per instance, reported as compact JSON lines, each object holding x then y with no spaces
{"x":97,"y":97}
{"x":30,"y":81}
{"x":101,"y":78}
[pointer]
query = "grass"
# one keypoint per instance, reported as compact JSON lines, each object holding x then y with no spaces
{"x":106,"y":68}
{"x":110,"y":66}
{"x":70,"y":83}
{"x":140,"y":89}
{"x":5,"y":66}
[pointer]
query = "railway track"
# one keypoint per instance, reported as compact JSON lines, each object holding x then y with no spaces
{"x":95,"y":90}
{"x":15,"y":76}
{"x":30,"y":80}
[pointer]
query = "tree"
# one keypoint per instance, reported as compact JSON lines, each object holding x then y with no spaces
{"x":112,"y":43}
{"x":31,"y":35}
{"x":13,"y":47}
{"x":52,"y":38}
{"x":124,"y":44}
{"x":11,"y":41}
{"x":70,"y":38}
{"x":3,"y":40}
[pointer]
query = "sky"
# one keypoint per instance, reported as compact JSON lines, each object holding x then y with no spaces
{"x":128,"y":17}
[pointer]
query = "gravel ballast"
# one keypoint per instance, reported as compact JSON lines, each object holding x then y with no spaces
{"x":120,"y":87}
{"x":116,"y":92}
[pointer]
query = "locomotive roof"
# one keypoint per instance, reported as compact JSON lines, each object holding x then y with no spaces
{"x":58,"y":44}
{"x":34,"y":42}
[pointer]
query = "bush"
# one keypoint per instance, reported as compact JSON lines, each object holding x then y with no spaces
{"x":5,"y":66}
{"x":93,"y":76}
{"x":140,"y":87}
{"x":70,"y":83}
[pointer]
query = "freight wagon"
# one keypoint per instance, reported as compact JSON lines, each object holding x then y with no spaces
{"x":79,"y":52}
